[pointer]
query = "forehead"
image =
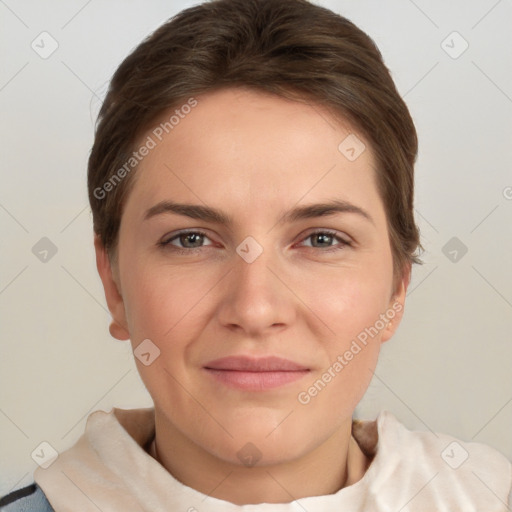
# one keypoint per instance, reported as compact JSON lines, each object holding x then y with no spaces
{"x":250,"y":150}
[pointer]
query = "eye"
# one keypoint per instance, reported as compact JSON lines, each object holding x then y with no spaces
{"x":186,"y":241}
{"x":323,"y":239}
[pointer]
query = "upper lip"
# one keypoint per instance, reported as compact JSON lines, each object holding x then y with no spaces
{"x":253,"y":364}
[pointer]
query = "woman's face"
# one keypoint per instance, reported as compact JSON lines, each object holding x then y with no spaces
{"x":261,"y":273}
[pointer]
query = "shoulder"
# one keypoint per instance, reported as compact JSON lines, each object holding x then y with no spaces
{"x":27,"y":499}
{"x":443,"y":469}
{"x":440,"y":450}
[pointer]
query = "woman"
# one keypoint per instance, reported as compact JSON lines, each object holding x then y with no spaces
{"x":251,"y":183}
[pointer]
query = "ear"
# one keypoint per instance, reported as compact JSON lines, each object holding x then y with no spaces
{"x":396,"y":305}
{"x":118,"y":327}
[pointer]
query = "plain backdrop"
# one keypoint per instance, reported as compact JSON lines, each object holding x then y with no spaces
{"x":447,"y":369}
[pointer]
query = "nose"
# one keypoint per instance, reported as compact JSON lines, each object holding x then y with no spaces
{"x":255,"y":299}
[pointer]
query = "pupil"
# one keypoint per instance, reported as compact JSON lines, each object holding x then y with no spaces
{"x":322,"y":237}
{"x":190,"y":238}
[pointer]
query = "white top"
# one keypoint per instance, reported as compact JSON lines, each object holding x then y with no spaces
{"x":108,"y":469}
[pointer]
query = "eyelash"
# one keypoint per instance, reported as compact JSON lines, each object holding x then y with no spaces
{"x":166,"y":243}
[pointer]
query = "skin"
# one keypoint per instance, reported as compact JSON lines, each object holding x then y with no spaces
{"x":254,"y":156}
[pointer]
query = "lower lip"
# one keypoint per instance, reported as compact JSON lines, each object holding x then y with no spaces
{"x":256,"y":381}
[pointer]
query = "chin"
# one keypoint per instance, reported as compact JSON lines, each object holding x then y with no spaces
{"x":257,"y":443}
{"x":256,"y":452}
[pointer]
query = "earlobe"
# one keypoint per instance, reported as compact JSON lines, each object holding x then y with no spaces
{"x":396,"y":305}
{"x":118,"y":328}
{"x":118,"y":332}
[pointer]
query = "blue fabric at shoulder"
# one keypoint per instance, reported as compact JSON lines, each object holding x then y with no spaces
{"x":28,"y":499}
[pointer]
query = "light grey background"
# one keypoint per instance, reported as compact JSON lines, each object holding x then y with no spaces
{"x":448,"y":368}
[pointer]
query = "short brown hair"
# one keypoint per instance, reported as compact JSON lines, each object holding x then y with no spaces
{"x":290,"y":48}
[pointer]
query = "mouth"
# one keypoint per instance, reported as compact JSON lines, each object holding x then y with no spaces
{"x":255,"y":374}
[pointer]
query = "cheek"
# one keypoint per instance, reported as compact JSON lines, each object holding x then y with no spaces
{"x":347,"y":300}
{"x":351,"y":304}
{"x":159,"y":297}
{"x":334,"y":393}
{"x":352,"y":312}
{"x":164,"y":304}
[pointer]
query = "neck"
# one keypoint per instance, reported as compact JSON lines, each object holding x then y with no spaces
{"x":337,"y":463}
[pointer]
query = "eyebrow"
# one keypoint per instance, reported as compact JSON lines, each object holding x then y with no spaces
{"x":209,"y":214}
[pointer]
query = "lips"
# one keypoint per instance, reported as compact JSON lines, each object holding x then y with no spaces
{"x":255,"y":374}
{"x":248,"y":364}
